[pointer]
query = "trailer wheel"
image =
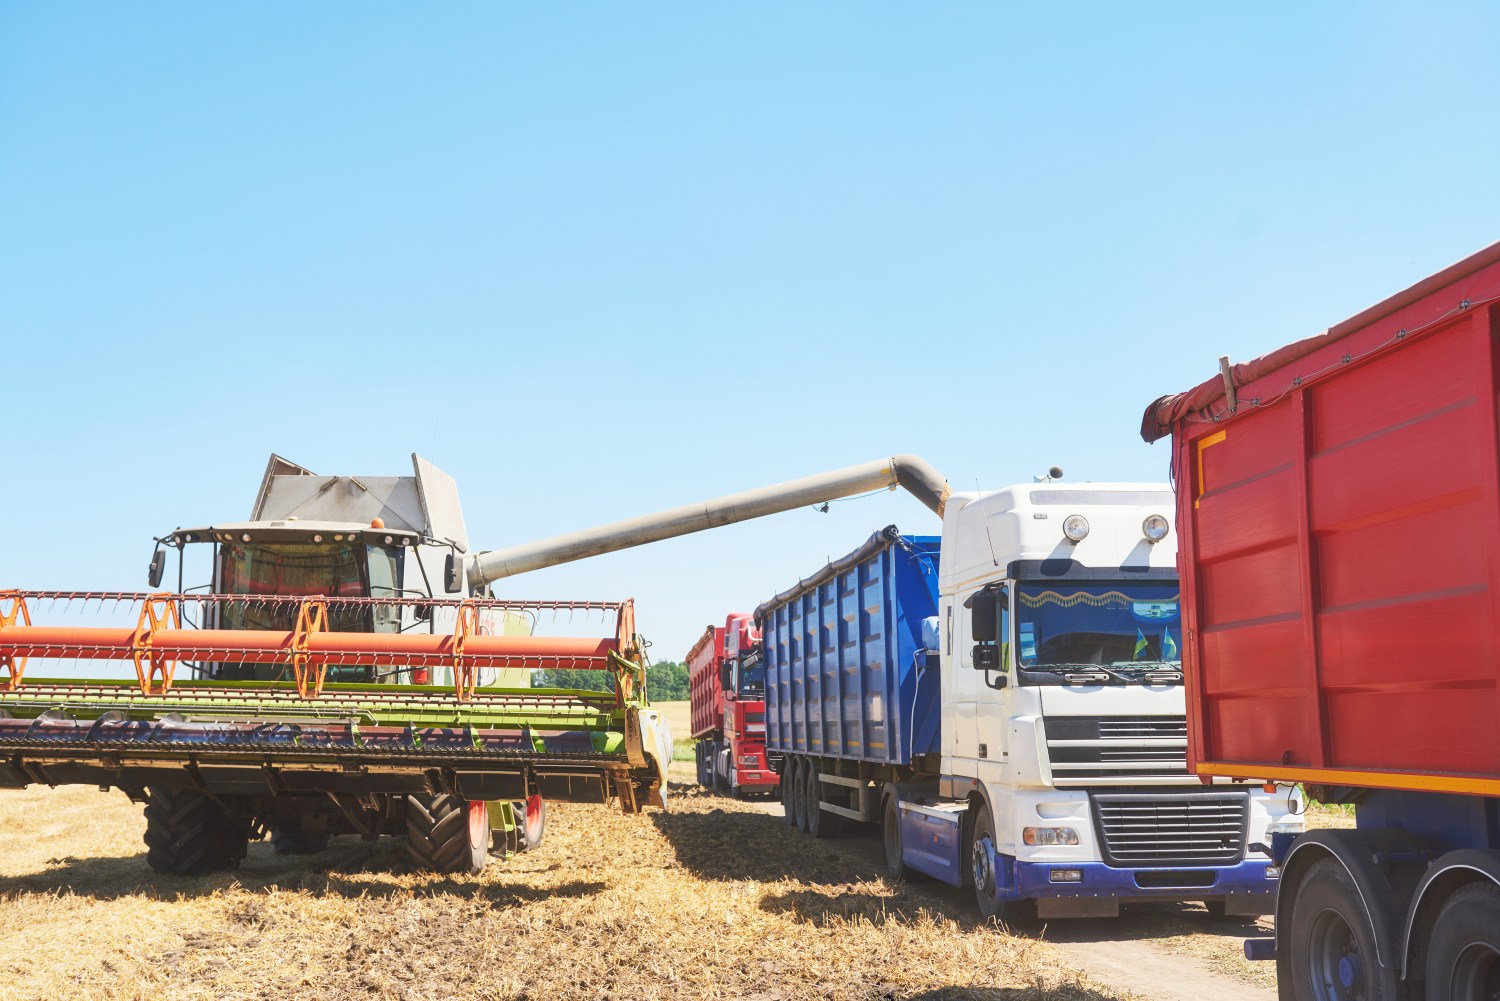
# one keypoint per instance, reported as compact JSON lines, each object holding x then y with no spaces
{"x":799,"y":793}
{"x":189,"y":834}
{"x":1463,"y":957}
{"x":820,"y":823}
{"x":890,"y":830}
{"x":447,"y":833}
{"x":1333,"y":954}
{"x":788,"y":787}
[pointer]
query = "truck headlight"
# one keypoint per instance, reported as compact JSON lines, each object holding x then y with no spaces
{"x":1035,"y":836}
{"x":748,"y":759}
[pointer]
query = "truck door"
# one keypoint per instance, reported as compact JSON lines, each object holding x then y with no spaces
{"x":960,"y":712}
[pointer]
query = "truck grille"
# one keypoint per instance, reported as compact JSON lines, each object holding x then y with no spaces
{"x":1083,"y":748}
{"x":1152,"y":829}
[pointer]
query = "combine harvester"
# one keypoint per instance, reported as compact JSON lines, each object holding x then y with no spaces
{"x":311,"y":709}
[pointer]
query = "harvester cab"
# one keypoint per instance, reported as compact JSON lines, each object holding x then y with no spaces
{"x":337,"y":537}
{"x":326,"y":680}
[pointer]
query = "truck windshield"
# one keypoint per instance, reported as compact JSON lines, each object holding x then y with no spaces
{"x":1098,"y":632}
{"x":752,"y":676}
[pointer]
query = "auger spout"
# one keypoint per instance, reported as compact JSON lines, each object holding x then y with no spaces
{"x":910,"y":472}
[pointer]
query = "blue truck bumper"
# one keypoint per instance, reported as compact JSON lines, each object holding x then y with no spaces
{"x":1041,"y":879}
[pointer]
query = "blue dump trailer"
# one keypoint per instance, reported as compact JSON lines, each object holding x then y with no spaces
{"x":852,"y":678}
{"x":846,"y":675}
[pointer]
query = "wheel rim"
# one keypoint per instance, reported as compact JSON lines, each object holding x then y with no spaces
{"x":479,"y":824}
{"x":1336,"y":965}
{"x":984,"y":868}
{"x":533,"y":813}
{"x":1476,"y":974}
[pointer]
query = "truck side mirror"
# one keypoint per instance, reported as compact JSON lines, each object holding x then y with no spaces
{"x":158,"y":567}
{"x":984,"y":614}
{"x":453,"y":574}
{"x":726,"y":678}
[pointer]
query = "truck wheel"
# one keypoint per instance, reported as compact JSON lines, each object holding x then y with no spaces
{"x":1463,"y":957}
{"x":981,"y":870}
{"x":702,"y":772}
{"x":820,"y":823}
{"x":447,"y":833}
{"x":788,"y":788}
{"x":188,"y":834}
{"x":1332,"y":943}
{"x":890,"y":830}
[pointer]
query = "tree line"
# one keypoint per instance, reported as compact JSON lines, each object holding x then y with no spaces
{"x":666,"y":681}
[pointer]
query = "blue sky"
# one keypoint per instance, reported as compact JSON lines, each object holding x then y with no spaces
{"x":597,"y":260}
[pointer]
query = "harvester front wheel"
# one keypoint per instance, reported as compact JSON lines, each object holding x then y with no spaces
{"x":189,"y":834}
{"x":446,"y":833}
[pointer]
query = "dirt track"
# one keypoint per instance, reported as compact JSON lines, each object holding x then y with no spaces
{"x":1166,"y":952}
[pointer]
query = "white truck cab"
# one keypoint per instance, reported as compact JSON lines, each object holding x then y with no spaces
{"x":1064,"y":726}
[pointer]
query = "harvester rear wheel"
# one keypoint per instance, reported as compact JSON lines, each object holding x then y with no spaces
{"x":531,"y":821}
{"x":446,"y":833}
{"x":189,"y":834}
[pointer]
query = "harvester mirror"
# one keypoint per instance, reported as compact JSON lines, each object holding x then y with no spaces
{"x":453,"y":574}
{"x":158,"y":567}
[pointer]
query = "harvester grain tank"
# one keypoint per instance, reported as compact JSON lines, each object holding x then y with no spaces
{"x":1339,"y":506}
{"x":727,"y":691}
{"x":1006,"y":702}
{"x":324,"y":683}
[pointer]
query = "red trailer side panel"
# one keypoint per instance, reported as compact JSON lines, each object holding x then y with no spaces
{"x":1341,"y":552}
{"x":706,"y":697}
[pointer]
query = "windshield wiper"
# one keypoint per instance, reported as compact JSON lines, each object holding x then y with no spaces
{"x":1152,"y":669}
{"x":1082,"y":674}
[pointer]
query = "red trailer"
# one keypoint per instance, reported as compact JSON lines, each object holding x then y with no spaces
{"x":1339,"y":508}
{"x":727,"y":686}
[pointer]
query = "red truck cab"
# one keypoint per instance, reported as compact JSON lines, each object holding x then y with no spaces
{"x":727,"y":688}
